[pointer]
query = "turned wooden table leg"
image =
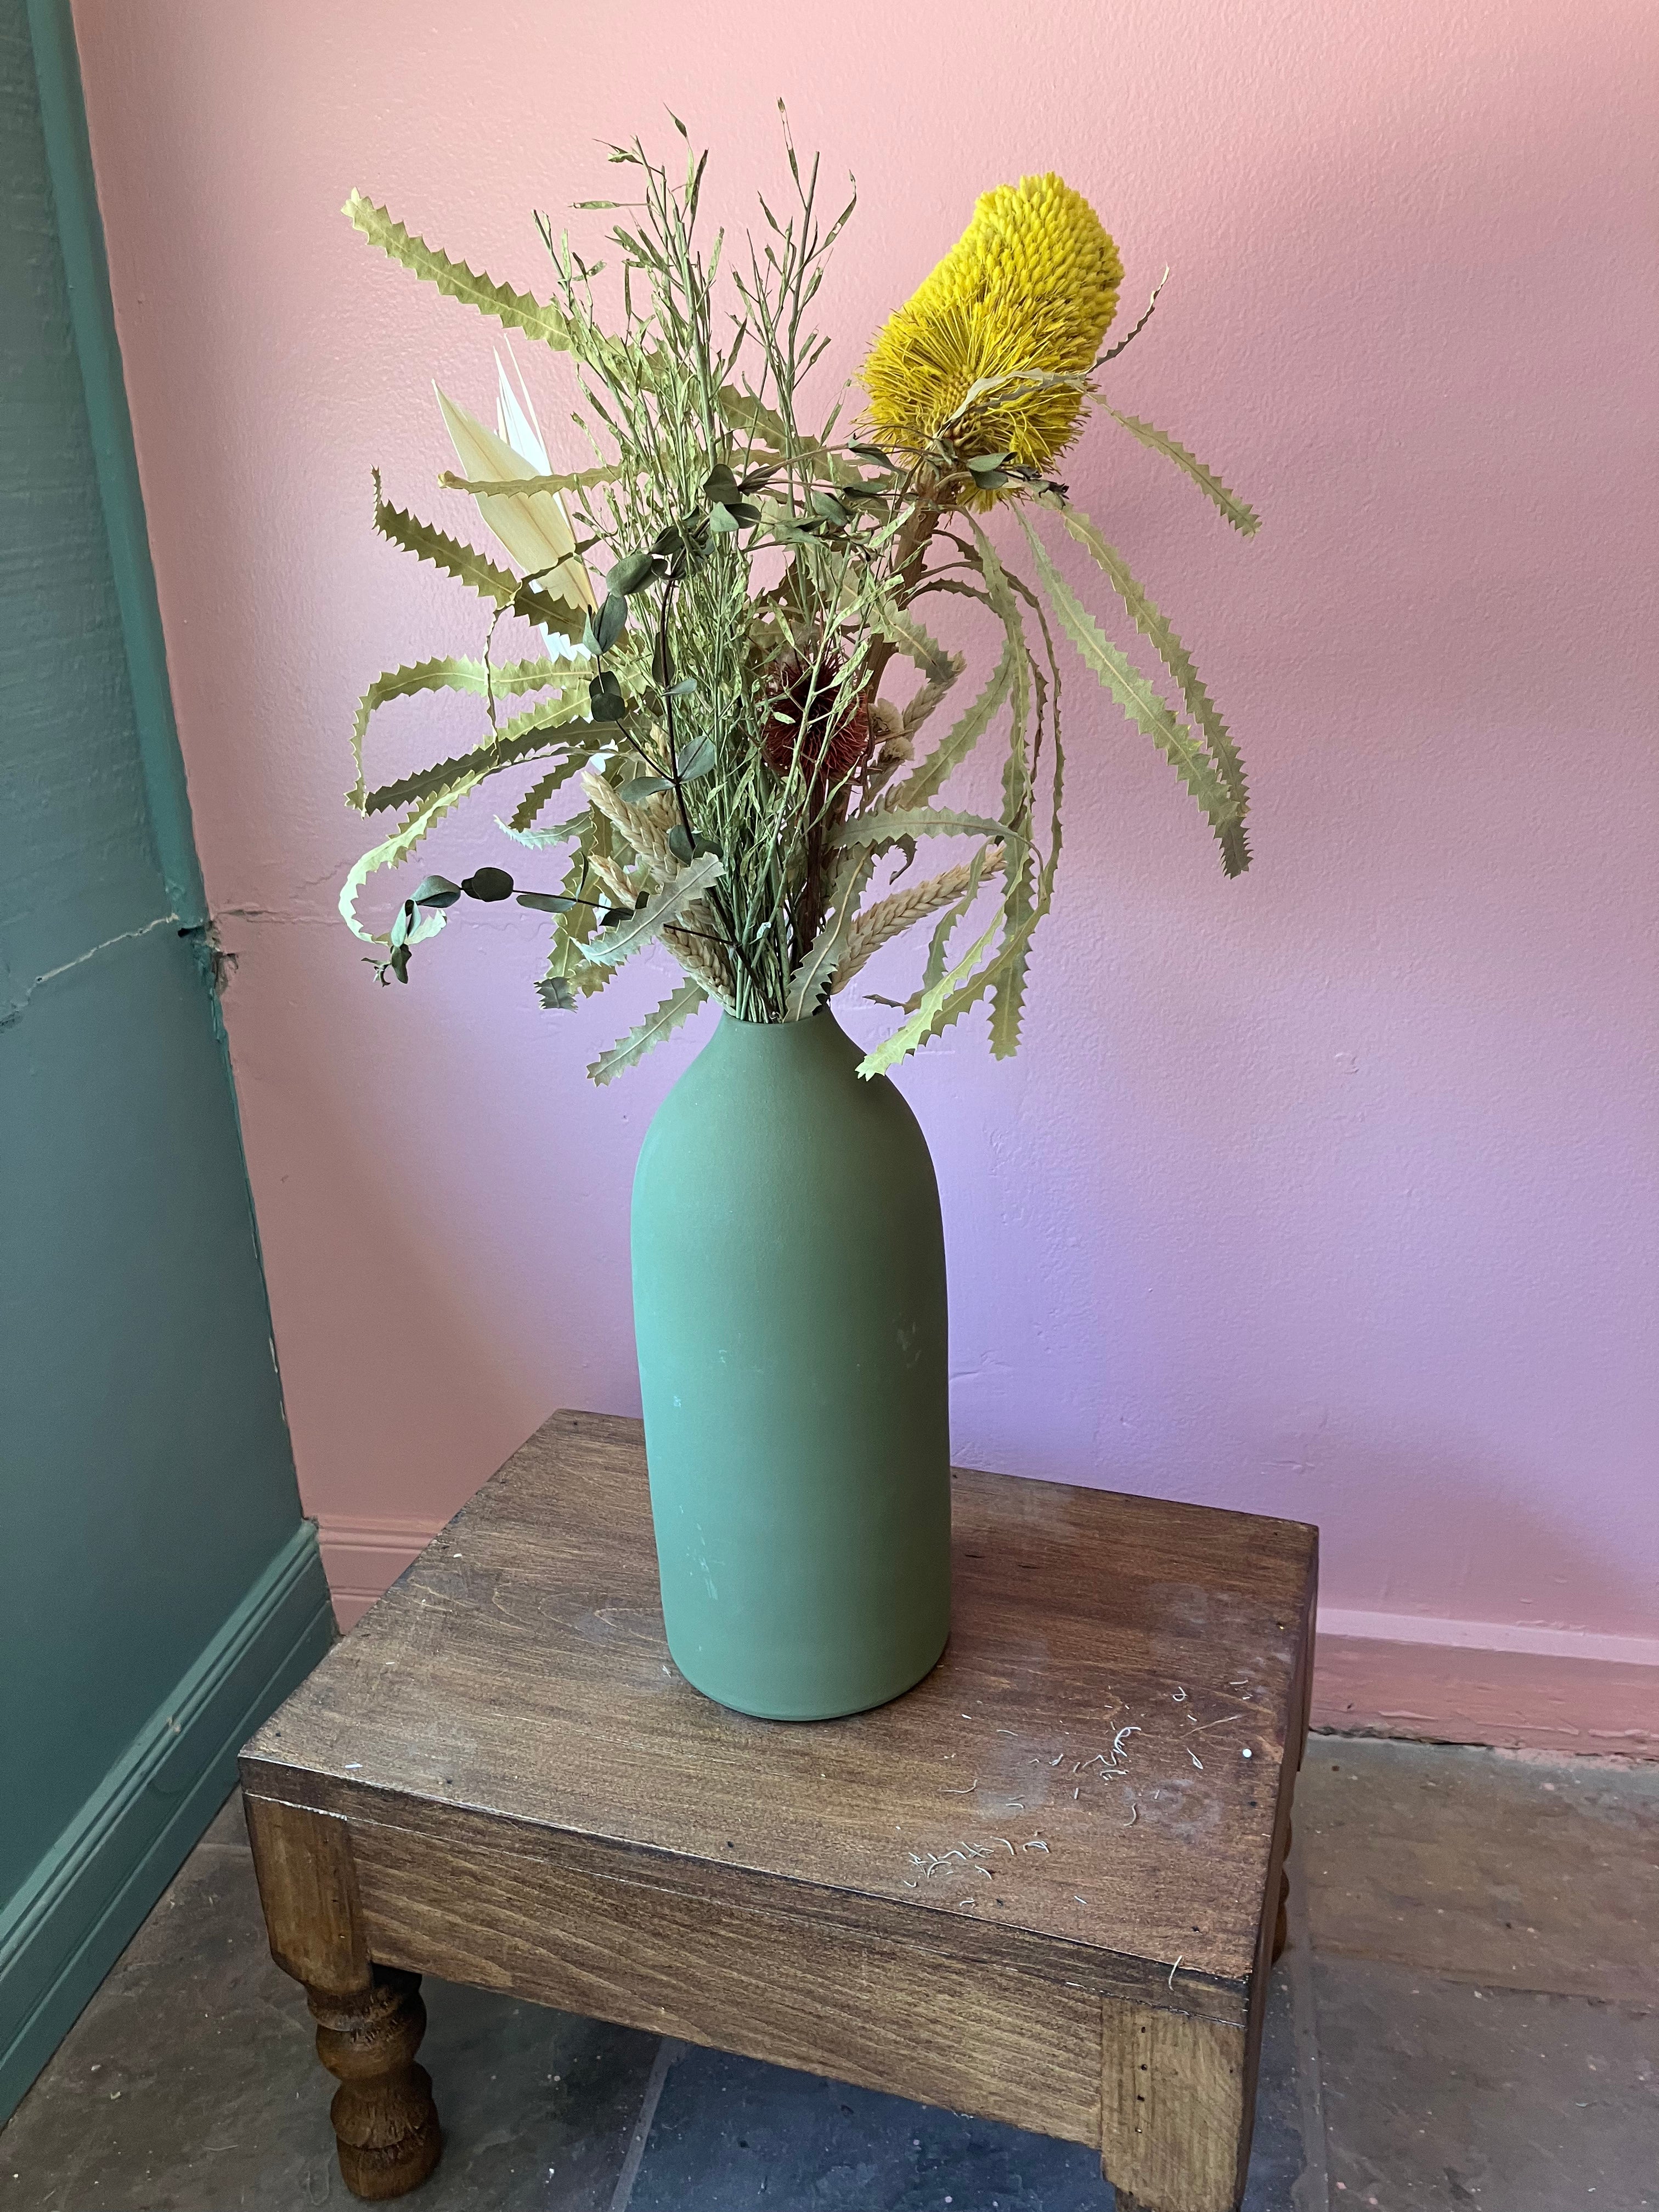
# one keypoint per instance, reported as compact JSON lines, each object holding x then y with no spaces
{"x":386,"y":2126}
{"x":369,"y":2019}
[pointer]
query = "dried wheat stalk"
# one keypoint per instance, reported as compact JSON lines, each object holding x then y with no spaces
{"x":612,"y":876}
{"x":883,"y":921}
{"x":646,"y":829}
{"x":704,"y":961}
{"x":929,"y":696}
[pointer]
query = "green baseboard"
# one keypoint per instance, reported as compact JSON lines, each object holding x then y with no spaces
{"x":64,"y":1928}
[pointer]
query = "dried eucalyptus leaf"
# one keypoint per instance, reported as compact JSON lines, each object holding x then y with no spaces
{"x":630,"y":575}
{"x":610,"y":622}
{"x":605,"y":700}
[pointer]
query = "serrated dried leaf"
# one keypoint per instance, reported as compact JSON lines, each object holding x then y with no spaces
{"x":516,"y":486}
{"x":934,"y":1014}
{"x":1009,"y":986}
{"x":519,"y":824}
{"x":884,"y":825}
{"x":399,"y":847}
{"x":901,"y":627}
{"x":521,"y":738}
{"x":450,"y":673}
{"x":517,"y":310}
{"x":615,"y":945}
{"x":958,"y":742}
{"x":878,"y":925}
{"x":1153,"y":626}
{"x":663,"y":1021}
{"x":1244,"y":518}
{"x":812,"y":979}
{"x":453,"y":554}
{"x":1134,"y":693}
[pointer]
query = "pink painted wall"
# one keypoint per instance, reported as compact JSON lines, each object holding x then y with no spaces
{"x":1328,"y":1194}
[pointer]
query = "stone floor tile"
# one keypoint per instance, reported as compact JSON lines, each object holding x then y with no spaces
{"x":731,"y":2135}
{"x":537,"y":2107}
{"x":1439,"y":2094}
{"x":228,"y":1826}
{"x":1286,"y":2100}
{"x":191,"y":2083}
{"x":1486,"y":1867}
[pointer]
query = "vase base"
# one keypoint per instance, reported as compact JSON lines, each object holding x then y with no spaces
{"x":868,"y":1699}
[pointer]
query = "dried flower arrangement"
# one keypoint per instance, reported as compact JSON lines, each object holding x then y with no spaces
{"x":716,"y":700}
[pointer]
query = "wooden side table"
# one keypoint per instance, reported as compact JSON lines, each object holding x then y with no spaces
{"x":1041,"y":1887}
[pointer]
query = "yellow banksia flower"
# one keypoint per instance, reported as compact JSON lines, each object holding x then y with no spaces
{"x":1026,"y":294}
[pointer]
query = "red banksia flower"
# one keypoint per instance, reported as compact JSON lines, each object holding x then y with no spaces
{"x":799,"y":728}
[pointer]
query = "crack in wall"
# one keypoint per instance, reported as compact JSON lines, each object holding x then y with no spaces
{"x":18,"y":1006}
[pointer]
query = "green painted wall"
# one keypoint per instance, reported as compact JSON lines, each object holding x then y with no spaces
{"x":151,"y":1523}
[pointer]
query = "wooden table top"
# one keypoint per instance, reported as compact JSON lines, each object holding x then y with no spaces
{"x":1088,"y":1782}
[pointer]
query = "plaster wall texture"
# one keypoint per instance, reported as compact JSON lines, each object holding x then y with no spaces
{"x":1330,"y":1192}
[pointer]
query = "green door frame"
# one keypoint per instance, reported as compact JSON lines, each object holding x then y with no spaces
{"x":92,"y":315}
{"x":246,"y":1632}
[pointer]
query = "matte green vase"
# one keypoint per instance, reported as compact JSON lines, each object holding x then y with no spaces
{"x":789,"y":1307}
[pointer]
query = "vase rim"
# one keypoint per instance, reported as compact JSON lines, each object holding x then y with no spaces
{"x":821,"y":1022}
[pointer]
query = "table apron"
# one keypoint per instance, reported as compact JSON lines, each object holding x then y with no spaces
{"x":771,"y":1985}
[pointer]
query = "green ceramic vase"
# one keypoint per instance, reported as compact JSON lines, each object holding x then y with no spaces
{"x":789,"y":1307}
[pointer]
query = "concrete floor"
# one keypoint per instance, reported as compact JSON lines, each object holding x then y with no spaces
{"x":1467,"y":2016}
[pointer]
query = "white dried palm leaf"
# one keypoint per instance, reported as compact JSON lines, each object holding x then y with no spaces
{"x":532,"y":526}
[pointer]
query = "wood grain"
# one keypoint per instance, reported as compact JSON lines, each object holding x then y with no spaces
{"x":779,"y":1986}
{"x":1175,"y":2094}
{"x":308,"y":1888}
{"x":385,"y":2126}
